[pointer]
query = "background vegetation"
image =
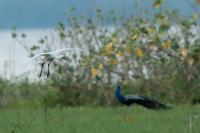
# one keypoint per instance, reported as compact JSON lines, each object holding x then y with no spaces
{"x":156,"y":56}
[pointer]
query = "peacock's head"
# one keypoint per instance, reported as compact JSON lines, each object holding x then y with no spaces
{"x":118,"y":94}
{"x":118,"y":89}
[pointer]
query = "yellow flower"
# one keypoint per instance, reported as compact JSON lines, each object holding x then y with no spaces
{"x":190,"y":61}
{"x":113,"y":62}
{"x":153,"y":47}
{"x":151,"y":30}
{"x":134,"y":37}
{"x":184,"y":52}
{"x":109,"y":47}
{"x":166,"y":44}
{"x":94,"y":72}
{"x":157,"y":5}
{"x":114,"y":39}
{"x":101,"y":67}
{"x":195,"y":16}
{"x":120,"y":54}
{"x":139,"y":52}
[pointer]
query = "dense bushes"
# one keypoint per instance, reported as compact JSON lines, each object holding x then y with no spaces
{"x":157,"y":57}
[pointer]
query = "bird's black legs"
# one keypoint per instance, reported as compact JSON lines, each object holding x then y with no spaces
{"x":48,"y":71}
{"x":42,"y":66}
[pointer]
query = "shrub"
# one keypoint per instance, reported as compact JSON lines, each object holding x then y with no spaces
{"x":158,"y":57}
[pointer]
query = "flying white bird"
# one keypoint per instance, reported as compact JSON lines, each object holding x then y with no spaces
{"x":43,"y":58}
{"x":54,"y":54}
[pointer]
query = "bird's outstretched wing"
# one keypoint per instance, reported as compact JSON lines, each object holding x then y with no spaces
{"x":51,"y":53}
{"x":37,"y":56}
{"x":66,"y":49}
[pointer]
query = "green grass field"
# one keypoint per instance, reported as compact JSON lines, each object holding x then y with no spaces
{"x":184,"y":119}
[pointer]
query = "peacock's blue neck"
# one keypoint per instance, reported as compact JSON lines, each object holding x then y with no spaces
{"x":118,"y":94}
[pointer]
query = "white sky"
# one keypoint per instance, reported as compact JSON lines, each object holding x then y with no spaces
{"x":9,"y":45}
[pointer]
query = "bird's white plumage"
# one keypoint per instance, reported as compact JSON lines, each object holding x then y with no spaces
{"x":53,"y":54}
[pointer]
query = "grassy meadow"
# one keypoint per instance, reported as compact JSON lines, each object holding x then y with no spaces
{"x":183,"y":119}
{"x":157,"y":56}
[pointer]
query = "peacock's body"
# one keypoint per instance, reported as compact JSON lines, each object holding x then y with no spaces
{"x":141,"y":100}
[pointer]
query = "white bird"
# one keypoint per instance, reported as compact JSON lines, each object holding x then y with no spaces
{"x":50,"y":56}
{"x":54,"y":54}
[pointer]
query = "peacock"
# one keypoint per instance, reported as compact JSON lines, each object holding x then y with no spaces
{"x":141,"y":100}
